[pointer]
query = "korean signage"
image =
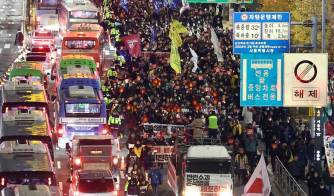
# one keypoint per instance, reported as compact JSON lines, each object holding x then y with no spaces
{"x":261,"y":80}
{"x":261,"y":32}
{"x":219,"y":1}
{"x":318,"y":136}
{"x":208,"y":181}
{"x":162,"y":153}
{"x":305,"y":79}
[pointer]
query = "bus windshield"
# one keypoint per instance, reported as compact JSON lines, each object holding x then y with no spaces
{"x":80,"y":44}
{"x":96,"y":185}
{"x":82,"y":108}
{"x":209,"y":166}
{"x":80,"y":14}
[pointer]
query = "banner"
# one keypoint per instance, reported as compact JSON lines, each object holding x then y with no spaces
{"x":172,"y":177}
{"x":194,"y":59}
{"x":132,"y":43}
{"x":216,"y":45}
{"x":258,"y":184}
{"x":174,"y":59}
{"x":162,"y":153}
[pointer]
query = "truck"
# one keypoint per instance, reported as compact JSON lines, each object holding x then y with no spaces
{"x":201,"y":170}
{"x":94,"y":160}
{"x":88,"y":152}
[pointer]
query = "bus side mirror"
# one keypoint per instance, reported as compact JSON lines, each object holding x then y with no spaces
{"x":115,"y":179}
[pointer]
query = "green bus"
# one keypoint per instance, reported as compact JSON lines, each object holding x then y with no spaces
{"x":27,"y":73}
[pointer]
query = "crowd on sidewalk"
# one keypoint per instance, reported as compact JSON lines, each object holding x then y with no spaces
{"x":145,"y":89}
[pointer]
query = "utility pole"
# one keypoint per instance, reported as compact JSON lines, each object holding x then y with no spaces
{"x":323,"y":26}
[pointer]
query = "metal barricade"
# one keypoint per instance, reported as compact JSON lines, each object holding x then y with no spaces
{"x":285,"y":180}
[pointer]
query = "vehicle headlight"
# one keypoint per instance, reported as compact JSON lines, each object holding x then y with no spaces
{"x":226,"y":193}
{"x":192,"y":191}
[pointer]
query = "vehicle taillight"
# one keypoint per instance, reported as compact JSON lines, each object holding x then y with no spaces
{"x":77,"y":161}
{"x":115,"y":160}
{"x":60,"y":130}
{"x":2,"y":181}
{"x":49,"y":181}
{"x":105,"y":129}
{"x":97,"y":65}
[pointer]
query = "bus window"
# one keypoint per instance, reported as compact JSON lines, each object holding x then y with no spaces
{"x":84,"y":14}
{"x":82,"y":108}
{"x":80,"y":44}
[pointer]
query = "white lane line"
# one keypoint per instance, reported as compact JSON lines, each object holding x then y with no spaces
{"x":61,"y":186}
{"x":7,"y":46}
{"x":0,"y":50}
{"x":58,"y":164}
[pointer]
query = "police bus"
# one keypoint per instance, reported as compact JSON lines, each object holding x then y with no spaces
{"x":24,"y":93}
{"x":35,"y":190}
{"x":26,"y":164}
{"x":21,"y":125}
{"x":77,"y":11}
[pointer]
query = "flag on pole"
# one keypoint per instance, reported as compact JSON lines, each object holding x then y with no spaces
{"x":175,"y":29}
{"x":132,"y":43}
{"x":194,"y":59}
{"x":178,"y":27}
{"x":216,"y":45}
{"x":174,"y":59}
{"x":258,"y":184}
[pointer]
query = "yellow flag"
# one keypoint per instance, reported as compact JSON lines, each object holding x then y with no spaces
{"x":174,"y":59}
{"x":178,"y":27}
{"x":176,"y":39}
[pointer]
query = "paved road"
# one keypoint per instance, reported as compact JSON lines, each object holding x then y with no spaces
{"x":11,"y":17}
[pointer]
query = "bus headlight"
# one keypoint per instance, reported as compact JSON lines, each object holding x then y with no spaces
{"x":77,"y":161}
{"x":192,"y":191}
{"x":226,"y":193}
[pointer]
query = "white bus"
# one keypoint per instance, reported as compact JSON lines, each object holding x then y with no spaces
{"x":77,"y":11}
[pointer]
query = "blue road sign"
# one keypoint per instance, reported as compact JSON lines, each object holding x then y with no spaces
{"x":261,"y":80}
{"x":261,"y":32}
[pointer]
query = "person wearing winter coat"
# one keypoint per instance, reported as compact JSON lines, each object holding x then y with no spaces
{"x":156,"y":178}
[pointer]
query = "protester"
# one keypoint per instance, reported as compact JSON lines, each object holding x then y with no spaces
{"x":156,"y":178}
{"x":145,"y":89}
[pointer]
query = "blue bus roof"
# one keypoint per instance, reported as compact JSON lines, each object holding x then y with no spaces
{"x":66,"y":83}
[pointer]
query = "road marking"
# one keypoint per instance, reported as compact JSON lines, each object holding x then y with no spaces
{"x":61,"y":186}
{"x":58,"y":164}
{"x":7,"y":46}
{"x":0,"y":50}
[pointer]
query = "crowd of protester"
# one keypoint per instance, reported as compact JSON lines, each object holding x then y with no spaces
{"x":147,"y":90}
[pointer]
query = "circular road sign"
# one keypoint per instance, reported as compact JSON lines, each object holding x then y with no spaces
{"x":306,"y":71}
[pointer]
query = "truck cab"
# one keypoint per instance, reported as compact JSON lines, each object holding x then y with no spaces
{"x":206,"y":170}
